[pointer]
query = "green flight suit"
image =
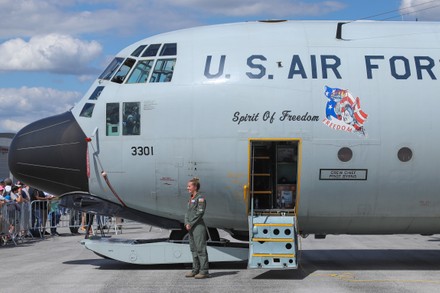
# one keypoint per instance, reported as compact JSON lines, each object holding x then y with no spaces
{"x":197,"y":234}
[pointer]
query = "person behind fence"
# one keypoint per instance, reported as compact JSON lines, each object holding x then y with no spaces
{"x":25,"y":209}
{"x":16,"y":194}
{"x":2,"y":199}
{"x":39,"y":212}
{"x":54,"y":216}
{"x":7,"y":193}
{"x":24,"y":191}
{"x":16,"y":200}
{"x":7,"y":184}
{"x":2,"y":187}
{"x":8,"y":181}
{"x":7,"y":189}
{"x":196,"y":228}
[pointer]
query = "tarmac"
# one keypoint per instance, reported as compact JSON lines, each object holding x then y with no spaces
{"x":343,"y":263}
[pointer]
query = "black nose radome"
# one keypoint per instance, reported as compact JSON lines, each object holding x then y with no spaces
{"x":50,"y":154}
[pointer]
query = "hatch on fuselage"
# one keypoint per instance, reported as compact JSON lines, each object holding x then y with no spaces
{"x":273,"y":174}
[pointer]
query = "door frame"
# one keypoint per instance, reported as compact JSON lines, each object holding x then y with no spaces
{"x":248,"y":187}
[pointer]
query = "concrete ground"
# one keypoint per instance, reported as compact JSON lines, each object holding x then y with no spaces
{"x":396,"y":263}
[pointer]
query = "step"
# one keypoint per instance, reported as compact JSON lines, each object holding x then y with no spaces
{"x":272,"y":242}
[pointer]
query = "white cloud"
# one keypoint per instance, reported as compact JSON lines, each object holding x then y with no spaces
{"x":8,"y":125}
{"x":274,"y":8}
{"x":31,"y":17}
{"x":423,"y":10}
{"x":21,"y":106}
{"x":26,"y":18}
{"x":53,"y":53}
{"x":74,"y":17}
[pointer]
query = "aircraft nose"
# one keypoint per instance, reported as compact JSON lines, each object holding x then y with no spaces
{"x":51,"y":155}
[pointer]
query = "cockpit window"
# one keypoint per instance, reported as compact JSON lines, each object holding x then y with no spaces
{"x":141,"y":71}
{"x":96,"y":93}
{"x":131,"y":118}
{"x":163,"y":71}
{"x":112,"y":119}
{"x":138,"y":51}
{"x":169,"y":50}
{"x":111,"y":68}
{"x":87,"y":110}
{"x":123,"y":71}
{"x":151,"y":50}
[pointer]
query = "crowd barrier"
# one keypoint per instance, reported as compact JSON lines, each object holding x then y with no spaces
{"x":41,"y":218}
{"x":14,"y":221}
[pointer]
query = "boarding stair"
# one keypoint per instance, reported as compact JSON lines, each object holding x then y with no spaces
{"x":273,"y":241}
{"x":273,"y":233}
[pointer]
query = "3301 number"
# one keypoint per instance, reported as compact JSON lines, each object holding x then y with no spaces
{"x":142,"y":151}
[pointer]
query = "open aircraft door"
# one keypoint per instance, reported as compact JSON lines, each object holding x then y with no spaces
{"x":273,"y":196}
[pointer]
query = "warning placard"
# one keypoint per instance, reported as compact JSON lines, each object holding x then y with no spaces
{"x":343,"y":174}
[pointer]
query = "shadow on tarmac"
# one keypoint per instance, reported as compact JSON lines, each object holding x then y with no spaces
{"x":310,"y":261}
{"x":110,"y":264}
{"x":29,"y":241}
{"x":358,"y":259}
{"x":434,"y":240}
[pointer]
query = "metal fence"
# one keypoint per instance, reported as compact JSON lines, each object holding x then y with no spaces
{"x":42,"y":218}
{"x":14,"y":221}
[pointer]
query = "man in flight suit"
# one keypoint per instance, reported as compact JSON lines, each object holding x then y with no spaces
{"x":196,"y":228}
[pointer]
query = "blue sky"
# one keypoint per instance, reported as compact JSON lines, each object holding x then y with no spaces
{"x":52,"y":50}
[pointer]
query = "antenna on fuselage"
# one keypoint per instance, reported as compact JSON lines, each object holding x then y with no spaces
{"x":339,"y":30}
{"x":402,"y":11}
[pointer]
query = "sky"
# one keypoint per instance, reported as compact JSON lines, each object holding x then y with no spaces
{"x":51,"y":51}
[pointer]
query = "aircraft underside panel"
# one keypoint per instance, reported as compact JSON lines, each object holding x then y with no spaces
{"x":162,"y":251}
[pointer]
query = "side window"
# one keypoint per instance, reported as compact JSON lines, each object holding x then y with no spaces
{"x":111,"y":68}
{"x":112,"y":119}
{"x":131,"y":121}
{"x":96,"y":93}
{"x":163,"y":71}
{"x":123,"y":71}
{"x":138,"y":51}
{"x":169,"y":50}
{"x":151,"y":50}
{"x":140,"y":72}
{"x":87,"y":110}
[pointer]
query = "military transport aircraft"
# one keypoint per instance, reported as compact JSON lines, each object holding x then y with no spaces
{"x":293,"y":127}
